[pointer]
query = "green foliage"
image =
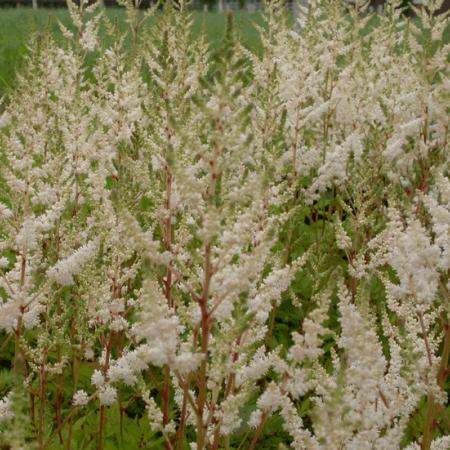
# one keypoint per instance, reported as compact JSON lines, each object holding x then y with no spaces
{"x":17,"y":25}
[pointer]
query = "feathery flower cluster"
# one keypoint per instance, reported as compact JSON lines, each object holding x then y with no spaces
{"x":230,"y":237}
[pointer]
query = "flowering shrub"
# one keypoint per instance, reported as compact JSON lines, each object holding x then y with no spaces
{"x":222,"y":249}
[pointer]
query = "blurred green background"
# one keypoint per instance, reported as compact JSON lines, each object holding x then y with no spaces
{"x":18,"y":25}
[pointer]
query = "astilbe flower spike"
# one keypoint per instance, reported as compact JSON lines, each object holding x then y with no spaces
{"x":213,"y":243}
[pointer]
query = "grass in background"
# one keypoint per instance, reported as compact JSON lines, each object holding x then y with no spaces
{"x":17,"y":25}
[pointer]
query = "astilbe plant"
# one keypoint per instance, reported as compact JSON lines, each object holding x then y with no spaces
{"x":195,"y":242}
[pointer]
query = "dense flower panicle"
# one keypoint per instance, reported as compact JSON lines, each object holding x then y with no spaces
{"x":80,"y":398}
{"x":230,"y":238}
{"x":6,"y":412}
{"x":416,"y":261}
{"x":107,"y":395}
{"x":64,"y":270}
{"x":5,"y":212}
